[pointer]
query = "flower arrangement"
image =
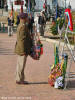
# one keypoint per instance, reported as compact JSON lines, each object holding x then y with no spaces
{"x":58,"y":70}
{"x":37,"y":50}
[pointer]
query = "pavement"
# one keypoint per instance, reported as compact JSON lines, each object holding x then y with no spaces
{"x":36,"y":73}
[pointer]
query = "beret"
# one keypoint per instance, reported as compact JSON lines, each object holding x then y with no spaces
{"x":23,"y":15}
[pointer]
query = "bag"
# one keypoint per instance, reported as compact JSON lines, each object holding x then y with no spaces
{"x":37,"y":50}
{"x":37,"y":46}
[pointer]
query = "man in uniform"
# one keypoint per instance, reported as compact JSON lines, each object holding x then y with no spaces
{"x":22,"y":47}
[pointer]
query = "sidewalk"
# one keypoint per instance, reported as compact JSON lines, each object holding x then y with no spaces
{"x":36,"y":74}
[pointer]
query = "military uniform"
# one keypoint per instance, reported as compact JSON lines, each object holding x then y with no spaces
{"x":22,"y":49}
{"x":23,"y":44}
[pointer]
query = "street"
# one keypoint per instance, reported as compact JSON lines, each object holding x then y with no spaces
{"x":36,"y":73}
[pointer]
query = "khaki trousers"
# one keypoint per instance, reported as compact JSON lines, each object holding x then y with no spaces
{"x":21,"y":62}
{"x":10,"y":30}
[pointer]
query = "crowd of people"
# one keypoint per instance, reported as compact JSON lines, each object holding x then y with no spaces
{"x":39,"y":20}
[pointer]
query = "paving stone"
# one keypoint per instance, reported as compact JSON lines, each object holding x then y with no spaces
{"x":36,"y":73}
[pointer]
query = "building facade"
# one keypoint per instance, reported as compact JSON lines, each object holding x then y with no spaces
{"x":32,"y":4}
{"x":16,"y":4}
{"x":52,"y":3}
{"x":2,"y":3}
{"x":27,"y":4}
{"x":40,"y":3}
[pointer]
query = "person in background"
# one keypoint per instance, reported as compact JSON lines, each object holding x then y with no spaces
{"x":18,"y":20}
{"x":42,"y":23}
{"x":10,"y":25}
{"x":31,"y":21}
{"x":37,"y":24}
{"x":22,"y":47}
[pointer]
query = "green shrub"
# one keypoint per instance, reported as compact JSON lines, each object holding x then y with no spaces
{"x":54,"y":29}
{"x":60,"y":22}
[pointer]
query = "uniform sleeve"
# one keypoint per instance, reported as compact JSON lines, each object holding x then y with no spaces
{"x":22,"y":33}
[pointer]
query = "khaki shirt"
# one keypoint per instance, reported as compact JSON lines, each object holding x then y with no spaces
{"x":24,"y":42}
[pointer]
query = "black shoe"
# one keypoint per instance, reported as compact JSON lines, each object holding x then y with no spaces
{"x":9,"y":35}
{"x":22,"y":82}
